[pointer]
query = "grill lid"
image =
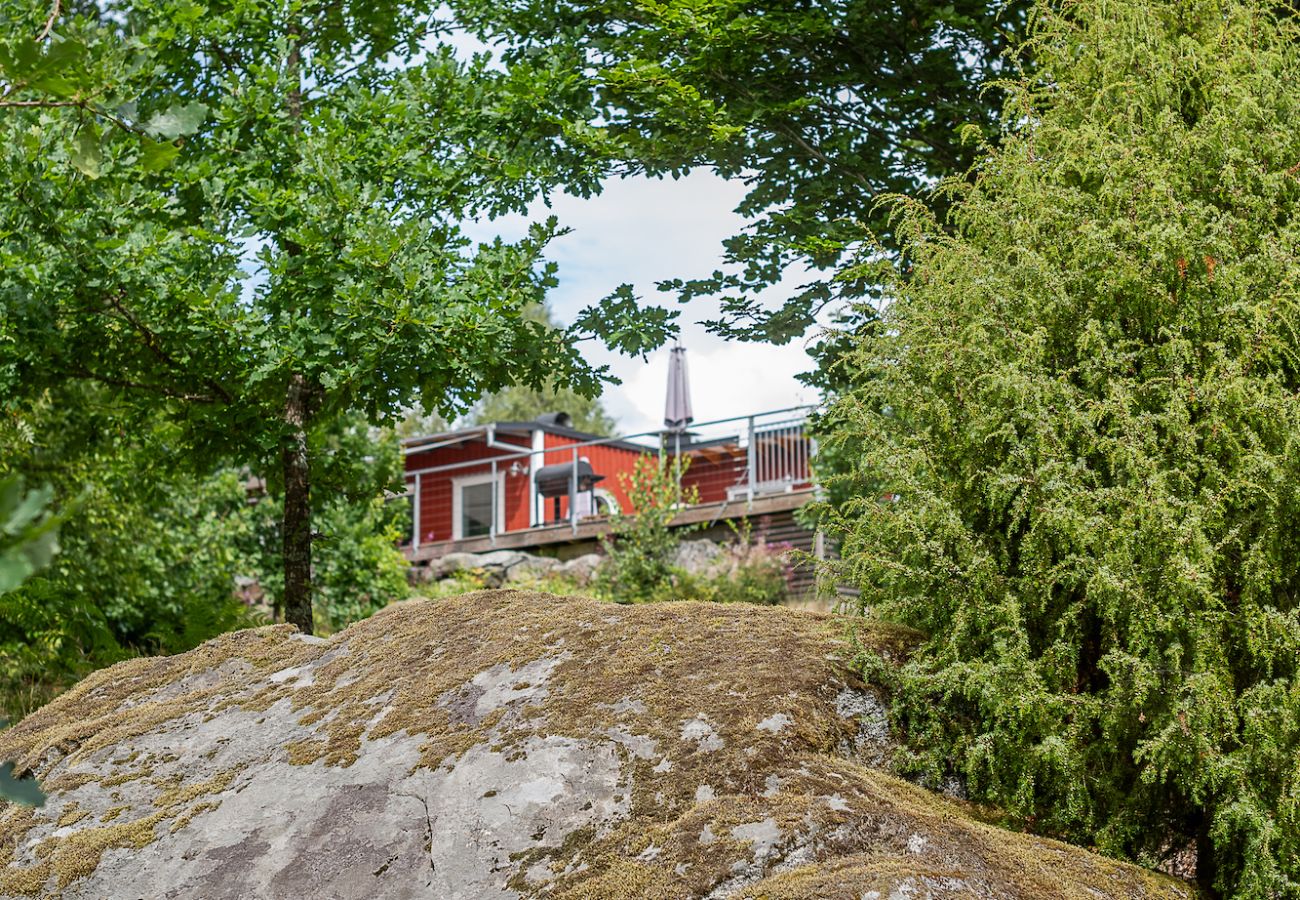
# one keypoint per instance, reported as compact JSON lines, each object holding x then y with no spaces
{"x":554,"y":481}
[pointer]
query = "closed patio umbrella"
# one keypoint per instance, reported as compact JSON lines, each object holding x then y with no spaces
{"x":677,"y":409}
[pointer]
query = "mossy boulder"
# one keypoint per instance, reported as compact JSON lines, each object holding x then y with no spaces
{"x":505,"y":744}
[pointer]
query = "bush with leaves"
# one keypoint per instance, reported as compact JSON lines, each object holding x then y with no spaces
{"x":145,"y":568}
{"x":745,"y":571}
{"x":641,"y":544}
{"x":28,"y":541}
{"x":147,"y":559}
{"x":1082,"y":420}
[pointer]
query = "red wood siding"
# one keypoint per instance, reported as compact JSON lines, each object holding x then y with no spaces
{"x":436,"y":505}
{"x":435,"y":489}
{"x":712,"y":473}
{"x":608,"y":461}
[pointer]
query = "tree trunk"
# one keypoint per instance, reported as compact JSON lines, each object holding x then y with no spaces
{"x":1207,"y":869}
{"x":296,"y":526}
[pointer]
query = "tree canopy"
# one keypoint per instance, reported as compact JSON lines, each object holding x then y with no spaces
{"x":1075,"y":446}
{"x":248,"y":216}
{"x":523,"y":403}
{"x":820,"y":108}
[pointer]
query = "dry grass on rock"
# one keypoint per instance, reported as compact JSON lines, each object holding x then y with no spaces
{"x":505,"y":743}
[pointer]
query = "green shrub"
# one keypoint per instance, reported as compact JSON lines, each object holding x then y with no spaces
{"x":48,"y":640}
{"x":143,"y":569}
{"x":745,"y":571}
{"x":640,"y":545}
{"x":1082,"y":417}
{"x":641,"y":550}
{"x":151,"y":554}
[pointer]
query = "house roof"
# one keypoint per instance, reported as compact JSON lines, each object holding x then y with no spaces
{"x":461,"y":435}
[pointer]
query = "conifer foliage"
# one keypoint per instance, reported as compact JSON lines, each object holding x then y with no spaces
{"x":1080,"y":427}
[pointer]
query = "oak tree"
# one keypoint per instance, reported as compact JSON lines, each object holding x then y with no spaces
{"x":248,"y":215}
{"x":820,"y":108}
{"x":523,"y":403}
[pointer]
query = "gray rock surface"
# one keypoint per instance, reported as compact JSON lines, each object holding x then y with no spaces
{"x":697,"y":556}
{"x":581,"y":569}
{"x":501,"y":567}
{"x":500,"y":559}
{"x":452,"y":563}
{"x":531,"y":568}
{"x":507,"y":744}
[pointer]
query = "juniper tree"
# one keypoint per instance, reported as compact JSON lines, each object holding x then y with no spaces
{"x":1076,"y":444}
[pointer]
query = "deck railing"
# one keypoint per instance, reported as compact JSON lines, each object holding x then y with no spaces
{"x":736,"y":460}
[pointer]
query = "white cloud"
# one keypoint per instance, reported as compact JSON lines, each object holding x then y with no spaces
{"x":642,"y":231}
{"x":727,"y":380}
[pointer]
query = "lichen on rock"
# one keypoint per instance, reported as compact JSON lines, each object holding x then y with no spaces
{"x":508,"y":744}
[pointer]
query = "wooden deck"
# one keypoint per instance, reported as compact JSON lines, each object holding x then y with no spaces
{"x":592,"y":529}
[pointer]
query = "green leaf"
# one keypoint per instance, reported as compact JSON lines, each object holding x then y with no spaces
{"x":20,"y":511}
{"x":85,"y":155}
{"x":157,"y":155}
{"x":42,"y":548}
{"x":14,"y":569}
{"x":19,"y":59}
{"x":28,"y":537}
{"x":55,"y":85}
{"x":19,"y":790}
{"x":177,"y":120}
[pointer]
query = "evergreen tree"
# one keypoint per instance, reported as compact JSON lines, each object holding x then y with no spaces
{"x":1076,"y":446}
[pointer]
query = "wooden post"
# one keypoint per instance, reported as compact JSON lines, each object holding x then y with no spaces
{"x":415,"y":516}
{"x":573,"y":492}
{"x":492,"y":526}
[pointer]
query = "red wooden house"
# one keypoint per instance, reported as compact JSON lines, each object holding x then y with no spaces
{"x":525,"y":485}
{"x":523,"y":470}
{"x":529,"y":485}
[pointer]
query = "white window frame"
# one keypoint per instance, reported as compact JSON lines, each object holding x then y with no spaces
{"x":457,"y":504}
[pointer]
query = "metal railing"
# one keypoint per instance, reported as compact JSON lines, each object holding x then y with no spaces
{"x":733,"y":459}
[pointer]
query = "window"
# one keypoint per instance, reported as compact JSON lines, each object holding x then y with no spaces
{"x":475,"y":509}
{"x":472,"y":502}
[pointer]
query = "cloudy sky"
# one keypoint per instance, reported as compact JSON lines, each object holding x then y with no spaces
{"x":641,"y":231}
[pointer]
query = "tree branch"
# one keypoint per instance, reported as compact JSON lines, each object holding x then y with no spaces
{"x":228,"y":60}
{"x":154,"y":344}
{"x":42,"y":104}
{"x":49,"y":23}
{"x":164,"y":390}
{"x":85,"y":105}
